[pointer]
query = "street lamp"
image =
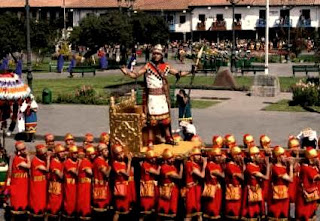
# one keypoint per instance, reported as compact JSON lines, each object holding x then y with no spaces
{"x":233,"y":53}
{"x":29,"y":71}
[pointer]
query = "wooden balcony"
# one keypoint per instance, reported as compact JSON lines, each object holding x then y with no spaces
{"x":237,"y":25}
{"x":218,"y":26}
{"x":201,"y":26}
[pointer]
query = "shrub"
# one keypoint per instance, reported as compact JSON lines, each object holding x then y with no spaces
{"x":306,"y":94}
{"x":83,"y":95}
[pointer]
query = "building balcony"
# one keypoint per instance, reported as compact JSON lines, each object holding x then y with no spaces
{"x":261,"y":23}
{"x":218,"y":26}
{"x":237,"y":25}
{"x":304,"y":23}
{"x":283,"y":22}
{"x":201,"y":26}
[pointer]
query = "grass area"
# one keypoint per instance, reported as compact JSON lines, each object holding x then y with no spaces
{"x":67,"y":86}
{"x":284,"y":105}
{"x":202,"y":104}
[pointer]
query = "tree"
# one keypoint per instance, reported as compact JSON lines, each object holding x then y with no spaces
{"x":12,"y":34}
{"x":149,"y":29}
{"x":119,"y":28}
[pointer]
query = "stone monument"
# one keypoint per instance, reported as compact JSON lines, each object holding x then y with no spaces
{"x":265,"y":86}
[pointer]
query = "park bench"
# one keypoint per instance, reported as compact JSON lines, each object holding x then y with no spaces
{"x":253,"y":68}
{"x":82,"y":70}
{"x":305,"y":68}
{"x":53,"y":66}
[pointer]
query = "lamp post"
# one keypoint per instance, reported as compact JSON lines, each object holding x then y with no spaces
{"x":64,"y":20}
{"x":29,"y":71}
{"x":233,"y":53}
{"x":266,"y":60}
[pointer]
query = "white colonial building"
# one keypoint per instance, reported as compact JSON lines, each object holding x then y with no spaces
{"x":211,"y":19}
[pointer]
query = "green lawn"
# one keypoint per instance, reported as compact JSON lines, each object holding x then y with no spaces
{"x":65,"y":86}
{"x":284,"y":105}
{"x":202,"y":104}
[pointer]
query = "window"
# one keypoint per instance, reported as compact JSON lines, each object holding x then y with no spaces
{"x":237,"y":17}
{"x":182,"y":19}
{"x":285,"y":13}
{"x":219,"y":17}
{"x":305,"y":13}
{"x":170,"y":19}
{"x":202,"y":18}
{"x":262,"y":14}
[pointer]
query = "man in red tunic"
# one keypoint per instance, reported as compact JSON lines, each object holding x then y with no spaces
{"x":104,"y":138}
{"x":49,"y":139}
{"x":68,"y":139}
{"x":88,"y":139}
{"x":248,"y":141}
{"x":294,"y":147}
{"x":18,"y":179}
{"x":217,"y":141}
{"x":121,"y":193}
{"x":212,"y":193}
{"x":168,"y":189}
{"x":253,"y":203}
{"x":233,"y":180}
{"x":84,"y":184}
{"x":308,"y":191}
{"x":149,"y":171}
{"x":265,"y":143}
{"x":101,"y":171}
{"x":55,"y":194}
{"x":156,"y":96}
{"x":280,"y":179}
{"x":70,"y":182}
{"x":195,"y":173}
{"x":38,"y":182}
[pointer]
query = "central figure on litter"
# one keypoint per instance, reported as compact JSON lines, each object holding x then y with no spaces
{"x":156,"y":97}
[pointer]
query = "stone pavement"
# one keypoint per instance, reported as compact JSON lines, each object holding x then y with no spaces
{"x":240,"y":114}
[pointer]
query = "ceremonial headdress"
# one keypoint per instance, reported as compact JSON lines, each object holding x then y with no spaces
{"x":264,"y":140}
{"x":311,"y":153}
{"x":278,"y":151}
{"x":215,"y":151}
{"x":158,"y":49}
{"x":235,"y":151}
{"x":68,"y":136}
{"x":167,"y":154}
{"x":217,"y":140}
{"x":254,"y":150}
{"x":59,"y":148}
{"x":151,"y":154}
{"x":73,"y":149}
{"x":195,"y":151}
{"x":117,"y":149}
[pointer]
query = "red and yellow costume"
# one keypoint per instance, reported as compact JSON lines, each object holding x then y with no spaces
{"x":265,"y":142}
{"x":212,"y":193}
{"x":19,"y":185}
{"x":38,"y":184}
{"x":70,"y":184}
{"x":279,"y":191}
{"x":293,"y":145}
{"x":84,"y":185}
{"x":55,"y":194}
{"x":253,"y":202}
{"x":101,"y":189}
{"x":233,"y":187}
{"x":148,"y":187}
{"x":121,"y":189}
{"x":168,"y":190}
{"x":104,"y":138}
{"x":194,"y":189}
{"x":308,"y":191}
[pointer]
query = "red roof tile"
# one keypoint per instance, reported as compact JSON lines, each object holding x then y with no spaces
{"x":161,"y":4}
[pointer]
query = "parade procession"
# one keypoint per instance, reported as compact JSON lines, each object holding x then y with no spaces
{"x":142,"y":170}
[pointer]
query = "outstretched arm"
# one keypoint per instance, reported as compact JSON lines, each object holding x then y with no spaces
{"x":133,"y":74}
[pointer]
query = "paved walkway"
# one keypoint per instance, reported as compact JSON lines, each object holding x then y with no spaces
{"x":240,"y":114}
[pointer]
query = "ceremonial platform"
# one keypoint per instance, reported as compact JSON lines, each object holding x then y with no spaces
{"x":181,"y":149}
